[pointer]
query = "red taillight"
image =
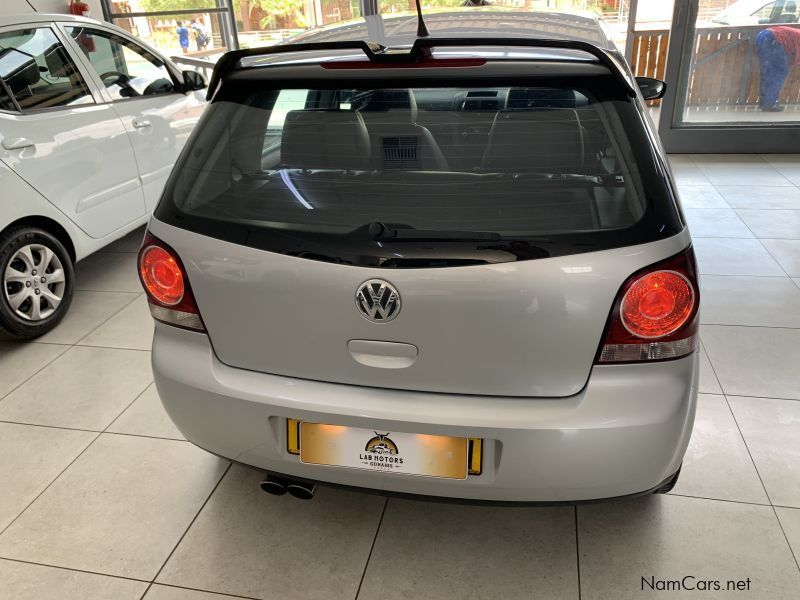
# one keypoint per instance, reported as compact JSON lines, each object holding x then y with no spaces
{"x":161,"y":275}
{"x":655,"y":314}
{"x":168,"y":291}
{"x":657,"y":304}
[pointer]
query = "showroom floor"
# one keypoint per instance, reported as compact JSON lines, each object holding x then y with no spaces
{"x":101,"y":498}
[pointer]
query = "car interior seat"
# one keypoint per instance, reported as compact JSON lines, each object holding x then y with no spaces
{"x":325,"y":139}
{"x":548,"y":140}
{"x":398,"y":142}
{"x":22,"y":80}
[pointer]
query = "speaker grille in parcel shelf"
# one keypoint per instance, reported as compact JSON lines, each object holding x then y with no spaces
{"x":400,"y":152}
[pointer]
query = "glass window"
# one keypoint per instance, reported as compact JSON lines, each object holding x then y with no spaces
{"x":38,"y":70}
{"x":287,"y":100}
{"x":126,"y":69}
{"x":765,"y":12}
{"x":368,"y":175}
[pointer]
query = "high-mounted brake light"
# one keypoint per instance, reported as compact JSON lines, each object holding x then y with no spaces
{"x":431,"y":63}
{"x":168,"y":291}
{"x":655,"y":314}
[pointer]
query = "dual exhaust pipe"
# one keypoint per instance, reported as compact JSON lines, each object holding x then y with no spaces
{"x":278,"y":486}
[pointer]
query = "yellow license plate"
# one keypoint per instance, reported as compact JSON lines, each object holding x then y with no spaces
{"x":384,"y":451}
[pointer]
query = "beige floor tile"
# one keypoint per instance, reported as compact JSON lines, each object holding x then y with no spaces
{"x":132,"y":327}
{"x":739,"y":169}
{"x":32,"y":457}
{"x":755,"y":361}
{"x":108,"y":272}
{"x":786,"y":164}
{"x":755,"y":301}
{"x":688,"y":173}
{"x":708,"y":381}
{"x":790,"y":521}
{"x":130,"y":243}
{"x":700,"y":196}
{"x":443,"y":551}
{"x":19,"y":361}
{"x":680,"y":159}
{"x":771,"y":429}
{"x":163,"y":592}
{"x":787,"y":253}
{"x":248,"y":543}
{"x":119,"y":509}
{"x":717,"y":464}
{"x":760,"y":197}
{"x":87,"y":311}
{"x":772,"y":223}
{"x":670,"y":537}
{"x":146,"y":416}
{"x":23,"y":581}
{"x":85,"y":388}
{"x":729,"y":256}
{"x":715,"y":223}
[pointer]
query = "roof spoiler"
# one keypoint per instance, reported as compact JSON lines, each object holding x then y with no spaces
{"x":420,"y":51}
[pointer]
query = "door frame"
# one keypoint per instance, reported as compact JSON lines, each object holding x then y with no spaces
{"x":709,"y":138}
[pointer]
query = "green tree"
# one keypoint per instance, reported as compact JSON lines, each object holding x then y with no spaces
{"x":279,"y":8}
{"x":188,"y":5}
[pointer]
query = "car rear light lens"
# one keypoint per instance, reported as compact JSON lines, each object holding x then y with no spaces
{"x":657,"y":304}
{"x":161,"y":275}
{"x":168,"y":291}
{"x":655,"y":314}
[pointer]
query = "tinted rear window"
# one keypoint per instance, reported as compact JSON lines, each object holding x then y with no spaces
{"x":421,"y":176}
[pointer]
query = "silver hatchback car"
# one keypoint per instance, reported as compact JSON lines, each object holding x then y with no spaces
{"x":457,"y":269}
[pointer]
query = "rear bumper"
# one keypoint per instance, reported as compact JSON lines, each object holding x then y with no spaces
{"x":624,"y":433}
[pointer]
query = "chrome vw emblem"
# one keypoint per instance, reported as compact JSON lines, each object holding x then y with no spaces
{"x":378,"y":300}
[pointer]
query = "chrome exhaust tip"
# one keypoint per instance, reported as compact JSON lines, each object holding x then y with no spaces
{"x":273,"y":486}
{"x":303,"y":491}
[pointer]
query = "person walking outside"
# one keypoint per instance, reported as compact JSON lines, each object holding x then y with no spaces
{"x":200,"y":34}
{"x":778,"y":51}
{"x":183,"y":37}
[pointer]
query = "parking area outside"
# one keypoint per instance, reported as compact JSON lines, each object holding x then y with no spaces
{"x":102,"y":498}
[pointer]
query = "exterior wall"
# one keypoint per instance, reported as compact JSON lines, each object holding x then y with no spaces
{"x":16,"y":7}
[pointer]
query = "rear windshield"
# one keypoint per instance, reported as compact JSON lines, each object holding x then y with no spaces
{"x":394,"y":177}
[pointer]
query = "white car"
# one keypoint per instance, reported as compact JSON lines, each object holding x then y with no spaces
{"x":91,"y":122}
{"x":758,"y":12}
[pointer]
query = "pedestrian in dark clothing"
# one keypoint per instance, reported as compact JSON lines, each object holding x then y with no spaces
{"x":778,"y":51}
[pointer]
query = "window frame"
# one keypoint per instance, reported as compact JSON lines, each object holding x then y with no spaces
{"x":7,"y":91}
{"x":90,"y":82}
{"x":174,"y":73}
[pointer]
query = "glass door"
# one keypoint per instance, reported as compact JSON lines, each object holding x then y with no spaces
{"x":733,"y":75}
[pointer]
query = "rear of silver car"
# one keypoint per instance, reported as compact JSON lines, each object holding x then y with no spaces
{"x":452,"y":287}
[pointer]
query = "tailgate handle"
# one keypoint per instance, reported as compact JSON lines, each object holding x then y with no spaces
{"x":383,"y":355}
{"x":17,"y":143}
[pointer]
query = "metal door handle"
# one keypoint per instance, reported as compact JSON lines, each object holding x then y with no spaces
{"x":17,"y":143}
{"x":141,"y":123}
